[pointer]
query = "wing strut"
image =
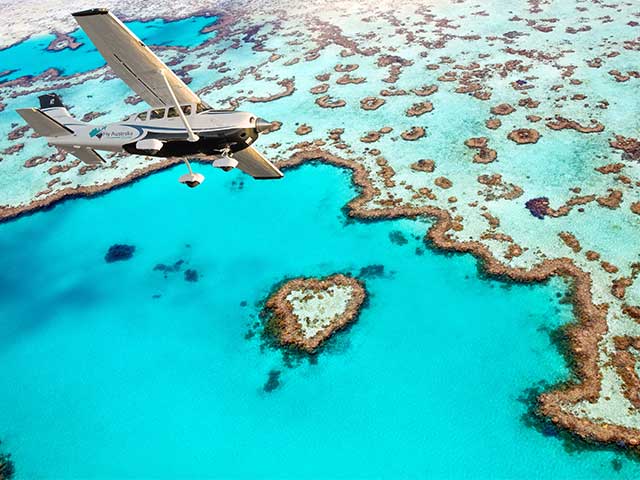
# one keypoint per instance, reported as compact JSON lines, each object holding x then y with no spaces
{"x":192,"y":136}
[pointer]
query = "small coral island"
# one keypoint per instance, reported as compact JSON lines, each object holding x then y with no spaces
{"x":304,"y":312}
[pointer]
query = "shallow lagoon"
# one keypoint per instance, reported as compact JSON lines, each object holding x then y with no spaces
{"x":32,"y":58}
{"x":101,"y":380}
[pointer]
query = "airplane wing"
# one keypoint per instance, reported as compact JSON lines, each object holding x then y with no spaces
{"x":132,"y":60}
{"x":86,"y":154}
{"x":252,"y":162}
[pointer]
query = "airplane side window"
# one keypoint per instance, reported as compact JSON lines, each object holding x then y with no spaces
{"x":142,"y":116}
{"x":186,"y":109}
{"x":173,"y":112}
{"x":157,"y":114}
{"x":201,"y":108}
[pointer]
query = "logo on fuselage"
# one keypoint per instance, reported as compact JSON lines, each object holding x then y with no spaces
{"x":97,"y":132}
{"x":100,"y":132}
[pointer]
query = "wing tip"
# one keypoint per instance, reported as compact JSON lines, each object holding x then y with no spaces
{"x":270,"y":178}
{"x":90,"y":12}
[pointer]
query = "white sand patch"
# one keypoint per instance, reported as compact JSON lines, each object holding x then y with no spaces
{"x":612,"y":406}
{"x":316,"y":310}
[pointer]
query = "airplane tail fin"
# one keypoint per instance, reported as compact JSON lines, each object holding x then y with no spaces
{"x":52,"y":119}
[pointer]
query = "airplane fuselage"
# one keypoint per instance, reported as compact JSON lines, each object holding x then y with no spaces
{"x":216,"y":131}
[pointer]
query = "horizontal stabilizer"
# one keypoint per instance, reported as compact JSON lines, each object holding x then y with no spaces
{"x":255,"y":164}
{"x":86,"y":154}
{"x":43,"y":125}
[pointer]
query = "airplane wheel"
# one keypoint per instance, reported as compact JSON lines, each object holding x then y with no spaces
{"x":191,"y":180}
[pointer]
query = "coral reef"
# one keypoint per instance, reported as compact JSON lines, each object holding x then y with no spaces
{"x":119,"y":252}
{"x":305,"y":312}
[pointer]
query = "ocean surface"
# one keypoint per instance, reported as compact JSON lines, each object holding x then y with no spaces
{"x":119,"y":370}
{"x":101,"y":380}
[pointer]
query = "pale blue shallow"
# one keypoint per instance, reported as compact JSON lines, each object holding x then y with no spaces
{"x":100,"y":380}
{"x":32,"y":58}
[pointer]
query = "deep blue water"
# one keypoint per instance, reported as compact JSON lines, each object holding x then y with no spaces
{"x":32,"y":58}
{"x":101,"y":380}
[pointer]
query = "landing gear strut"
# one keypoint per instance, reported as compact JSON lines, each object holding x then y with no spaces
{"x":191,"y":179}
{"x":226,"y":162}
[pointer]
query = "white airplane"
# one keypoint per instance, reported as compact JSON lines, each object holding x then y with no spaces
{"x":179,"y":123}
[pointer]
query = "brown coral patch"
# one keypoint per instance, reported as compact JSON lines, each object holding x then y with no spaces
{"x":372,"y":103}
{"x":502,"y":109}
{"x":425,"y":90}
{"x":318,"y":89}
{"x":284,"y":323}
{"x":485,"y":155}
{"x":414,"y":134}
{"x":327,"y":102}
{"x":561,"y":123}
{"x":419,"y":109}
{"x":443,"y":182}
{"x":370,"y":137}
{"x":612,"y":200}
{"x":493,"y":123}
{"x":610,"y":168}
{"x":423,"y":166}
{"x":303,"y":129}
{"x":570,"y":241}
{"x":524,"y":136}
{"x":289,"y":88}
{"x":629,"y":145}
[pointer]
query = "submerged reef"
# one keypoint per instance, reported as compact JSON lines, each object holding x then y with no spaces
{"x":119,"y":252}
{"x":273,"y":381}
{"x":305,"y":312}
{"x":7,"y":468}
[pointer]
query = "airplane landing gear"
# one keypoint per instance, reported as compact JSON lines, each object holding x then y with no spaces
{"x":226,"y":162}
{"x":191,"y":179}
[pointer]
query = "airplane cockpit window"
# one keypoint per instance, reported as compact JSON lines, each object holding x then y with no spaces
{"x":157,"y":114}
{"x":172,"y":112}
{"x":142,"y":116}
{"x":186,"y":109}
{"x":201,"y":107}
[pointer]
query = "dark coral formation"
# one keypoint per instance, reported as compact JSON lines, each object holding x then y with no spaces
{"x":7,"y":468}
{"x":539,"y":207}
{"x":398,"y":238}
{"x":119,"y":252}
{"x":191,"y":275}
{"x":273,"y":381}
{"x":371,"y":271}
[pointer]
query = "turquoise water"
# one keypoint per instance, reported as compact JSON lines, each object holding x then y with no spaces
{"x":101,"y":380}
{"x":32,"y":58}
